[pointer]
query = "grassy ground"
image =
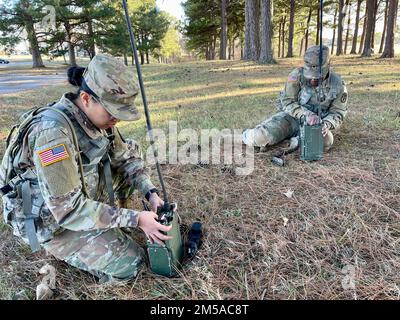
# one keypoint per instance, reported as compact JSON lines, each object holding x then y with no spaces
{"x":259,"y":244}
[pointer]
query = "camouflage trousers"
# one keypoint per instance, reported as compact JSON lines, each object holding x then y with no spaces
{"x":108,"y":254}
{"x":111,"y":253}
{"x":279,"y":127}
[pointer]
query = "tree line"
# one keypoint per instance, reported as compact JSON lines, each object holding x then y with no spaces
{"x":257,"y":30}
{"x":264,"y":29}
{"x":88,"y":25}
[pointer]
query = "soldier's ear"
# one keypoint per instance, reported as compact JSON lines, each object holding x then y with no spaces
{"x":85,"y":98}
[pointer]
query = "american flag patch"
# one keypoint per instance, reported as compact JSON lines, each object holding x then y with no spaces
{"x":292,"y":78}
{"x":53,"y":155}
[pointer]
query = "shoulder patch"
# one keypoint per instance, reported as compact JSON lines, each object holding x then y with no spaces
{"x":292,"y":78}
{"x":53,"y":155}
{"x":294,"y":75}
{"x":343,"y":99}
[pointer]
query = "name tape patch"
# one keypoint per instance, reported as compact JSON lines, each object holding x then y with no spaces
{"x":53,"y":155}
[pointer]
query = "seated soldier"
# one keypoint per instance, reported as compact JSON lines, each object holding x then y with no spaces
{"x":300,"y":98}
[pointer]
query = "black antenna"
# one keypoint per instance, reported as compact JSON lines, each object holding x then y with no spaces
{"x":320,"y":58}
{"x":146,"y":108}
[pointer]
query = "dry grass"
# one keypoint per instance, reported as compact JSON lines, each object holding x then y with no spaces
{"x":258,"y":243}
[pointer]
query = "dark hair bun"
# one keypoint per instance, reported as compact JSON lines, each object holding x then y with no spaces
{"x":75,"y":76}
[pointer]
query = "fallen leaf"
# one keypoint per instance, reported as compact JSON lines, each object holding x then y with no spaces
{"x":289,"y":194}
{"x":44,"y":290}
{"x":285,"y":221}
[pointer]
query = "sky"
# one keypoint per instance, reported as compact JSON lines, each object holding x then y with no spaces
{"x":172,"y":6}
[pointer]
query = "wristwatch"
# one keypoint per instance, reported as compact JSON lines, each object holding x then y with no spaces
{"x":148,"y":194}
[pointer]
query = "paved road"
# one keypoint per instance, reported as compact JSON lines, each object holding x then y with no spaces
{"x":11,"y":83}
{"x":15,"y":64}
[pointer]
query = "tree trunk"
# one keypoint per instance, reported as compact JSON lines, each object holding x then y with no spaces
{"x":71,"y":54}
{"x":266,"y":52}
{"x":308,"y":28}
{"x":71,"y":47}
{"x":388,"y":52}
{"x":334,"y":29}
{"x":363,"y":33}
{"x":283,"y":36}
{"x":37,"y":61}
{"x":141,"y":57}
{"x":342,"y":14}
{"x":92,"y":47}
{"x":291,"y":29}
{"x":147,"y":57}
{"x":355,"y":35}
{"x":367,"y":51}
{"x":214,"y":52}
{"x":247,"y":46}
{"x":374,"y":24}
{"x":224,"y":31}
{"x":233,"y":48}
{"x":125,"y":59}
{"x":301,"y":46}
{"x":384,"y":27}
{"x":348,"y":26}
{"x":229,"y":49}
{"x":279,"y":39}
{"x":302,"y":39}
{"x":254,"y":14}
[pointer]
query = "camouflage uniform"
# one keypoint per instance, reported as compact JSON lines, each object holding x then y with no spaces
{"x":300,"y":98}
{"x":80,"y":228}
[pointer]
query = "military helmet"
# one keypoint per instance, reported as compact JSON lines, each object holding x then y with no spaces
{"x":115,"y":86}
{"x":311,"y":62}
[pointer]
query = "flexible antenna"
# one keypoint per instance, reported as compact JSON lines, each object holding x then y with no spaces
{"x":146,"y":108}
{"x":320,"y":59}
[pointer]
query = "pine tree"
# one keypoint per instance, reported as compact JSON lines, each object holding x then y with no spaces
{"x":16,"y":16}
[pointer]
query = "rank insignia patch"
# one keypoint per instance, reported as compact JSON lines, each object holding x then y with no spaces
{"x":53,"y":155}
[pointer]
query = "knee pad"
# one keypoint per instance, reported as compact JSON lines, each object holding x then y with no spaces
{"x":257,"y":137}
{"x":328,"y":141}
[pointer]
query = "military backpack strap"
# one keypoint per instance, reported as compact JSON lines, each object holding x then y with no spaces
{"x":30,"y":229}
{"x":301,"y":76}
{"x":10,"y":135}
{"x":108,"y":178}
{"x":14,"y":142}
{"x":107,"y":174}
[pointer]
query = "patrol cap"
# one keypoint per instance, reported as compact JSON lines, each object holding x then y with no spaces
{"x":311,"y":62}
{"x":115,"y":86}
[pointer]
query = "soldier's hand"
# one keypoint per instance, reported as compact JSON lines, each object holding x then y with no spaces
{"x":325,"y":129}
{"x":155,"y":202}
{"x":312,"y":118}
{"x":148,"y":223}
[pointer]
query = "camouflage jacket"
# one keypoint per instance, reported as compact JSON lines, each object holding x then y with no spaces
{"x":56,"y":182}
{"x":298,"y":97}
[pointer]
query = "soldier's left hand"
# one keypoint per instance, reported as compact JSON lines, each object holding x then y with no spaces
{"x":155,"y":202}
